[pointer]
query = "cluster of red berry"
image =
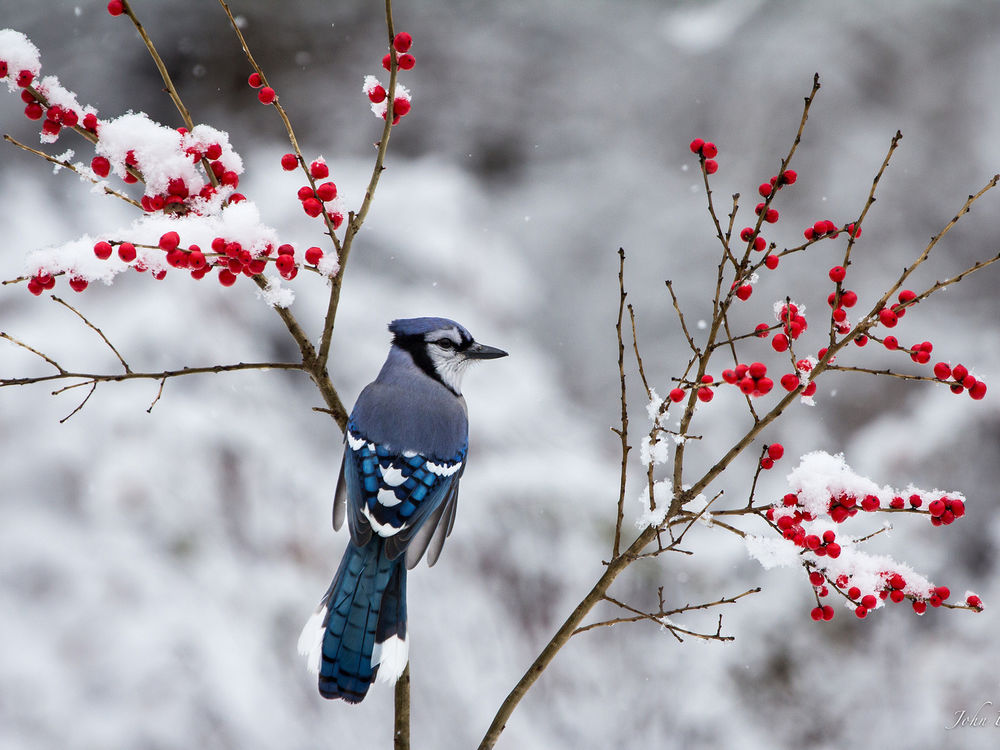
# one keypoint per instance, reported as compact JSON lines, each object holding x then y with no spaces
{"x":316,"y":200}
{"x":707,"y":151}
{"x":376,"y":92}
{"x":792,"y":325}
{"x":789,"y":517}
{"x":228,"y":256}
{"x":751,"y":379}
{"x":958,"y":377}
{"x":891,"y":586}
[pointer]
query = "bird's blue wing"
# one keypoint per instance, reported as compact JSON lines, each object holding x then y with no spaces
{"x":401,"y":496}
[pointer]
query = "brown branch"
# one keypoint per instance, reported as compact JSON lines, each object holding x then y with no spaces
{"x":93,"y":387}
{"x":356,"y":220}
{"x":66,"y":164}
{"x":95,"y":329}
{"x":37,"y":353}
{"x":330,"y":231}
{"x":623,"y":432}
{"x":132,"y":375}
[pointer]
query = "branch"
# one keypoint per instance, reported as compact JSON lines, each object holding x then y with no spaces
{"x":66,"y":164}
{"x":356,"y":220}
{"x":94,"y":328}
{"x":623,"y":432}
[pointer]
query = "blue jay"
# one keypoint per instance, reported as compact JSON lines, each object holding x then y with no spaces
{"x":405,"y":452}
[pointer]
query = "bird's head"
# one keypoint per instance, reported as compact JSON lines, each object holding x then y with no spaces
{"x":441,"y":348}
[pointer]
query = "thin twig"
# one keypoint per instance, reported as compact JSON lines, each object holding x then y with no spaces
{"x":132,"y":375}
{"x":94,"y":328}
{"x":93,"y":387}
{"x":66,"y":164}
{"x":623,"y":432}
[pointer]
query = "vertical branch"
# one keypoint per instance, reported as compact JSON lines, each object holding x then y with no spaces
{"x":623,"y":432}
{"x":356,"y":220}
{"x":401,"y":704}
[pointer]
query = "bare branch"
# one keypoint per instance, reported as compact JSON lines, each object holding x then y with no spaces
{"x":95,"y":329}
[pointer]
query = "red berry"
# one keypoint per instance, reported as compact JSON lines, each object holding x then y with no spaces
{"x":266,"y":96}
{"x":377,"y":94}
{"x":789,"y":381}
{"x":942,"y":371}
{"x":937,"y":507}
{"x":313,"y":255}
{"x":676,"y":395}
{"x":919,"y":607}
{"x":788,"y":177}
{"x":696,"y":145}
{"x":779,"y":342}
{"x":890,"y":343}
{"x":289,"y":162}
{"x":77,"y":284}
{"x":978,"y":391}
{"x":837,"y":274}
{"x":862,"y":610}
{"x":761,"y":330}
{"x":887,"y":317}
{"x":943,"y":592}
{"x":776,"y":451}
{"x":227,"y":277}
{"x":169,"y":241}
{"x":319,"y":170}
{"x":126,"y":251}
{"x":868,"y":601}
{"x":254,"y":80}
{"x":101,"y":166}
{"x":848,"y":298}
{"x":935,"y":600}
{"x":116,"y":7}
{"x":974,"y":601}
{"x":771,"y":216}
{"x":406,"y":62}
{"x":744,"y":292}
{"x":816,"y":613}
{"x":709,"y":150}
{"x":327,"y":191}
{"x":771,"y":261}
{"x":312,"y":207}
{"x":765,"y":189}
{"x":402,"y":41}
{"x":896,"y":596}
{"x":766,"y":463}
{"x":387,"y":61}
{"x":102,"y":250}
{"x":705,"y":394}
{"x":760,"y":245}
{"x":711,"y":166}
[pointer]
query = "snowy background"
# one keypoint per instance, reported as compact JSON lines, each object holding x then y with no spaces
{"x":155,"y":569}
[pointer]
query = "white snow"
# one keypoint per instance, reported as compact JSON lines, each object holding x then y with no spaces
{"x":20,"y":54}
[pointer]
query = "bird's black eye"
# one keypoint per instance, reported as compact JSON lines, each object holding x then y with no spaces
{"x":445,"y":343}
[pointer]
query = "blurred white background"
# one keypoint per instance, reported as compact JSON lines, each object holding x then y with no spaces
{"x":155,"y":568}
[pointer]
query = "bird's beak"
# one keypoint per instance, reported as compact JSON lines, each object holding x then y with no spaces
{"x":481,"y":351}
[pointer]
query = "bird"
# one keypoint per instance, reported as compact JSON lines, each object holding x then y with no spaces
{"x":405,"y":451}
